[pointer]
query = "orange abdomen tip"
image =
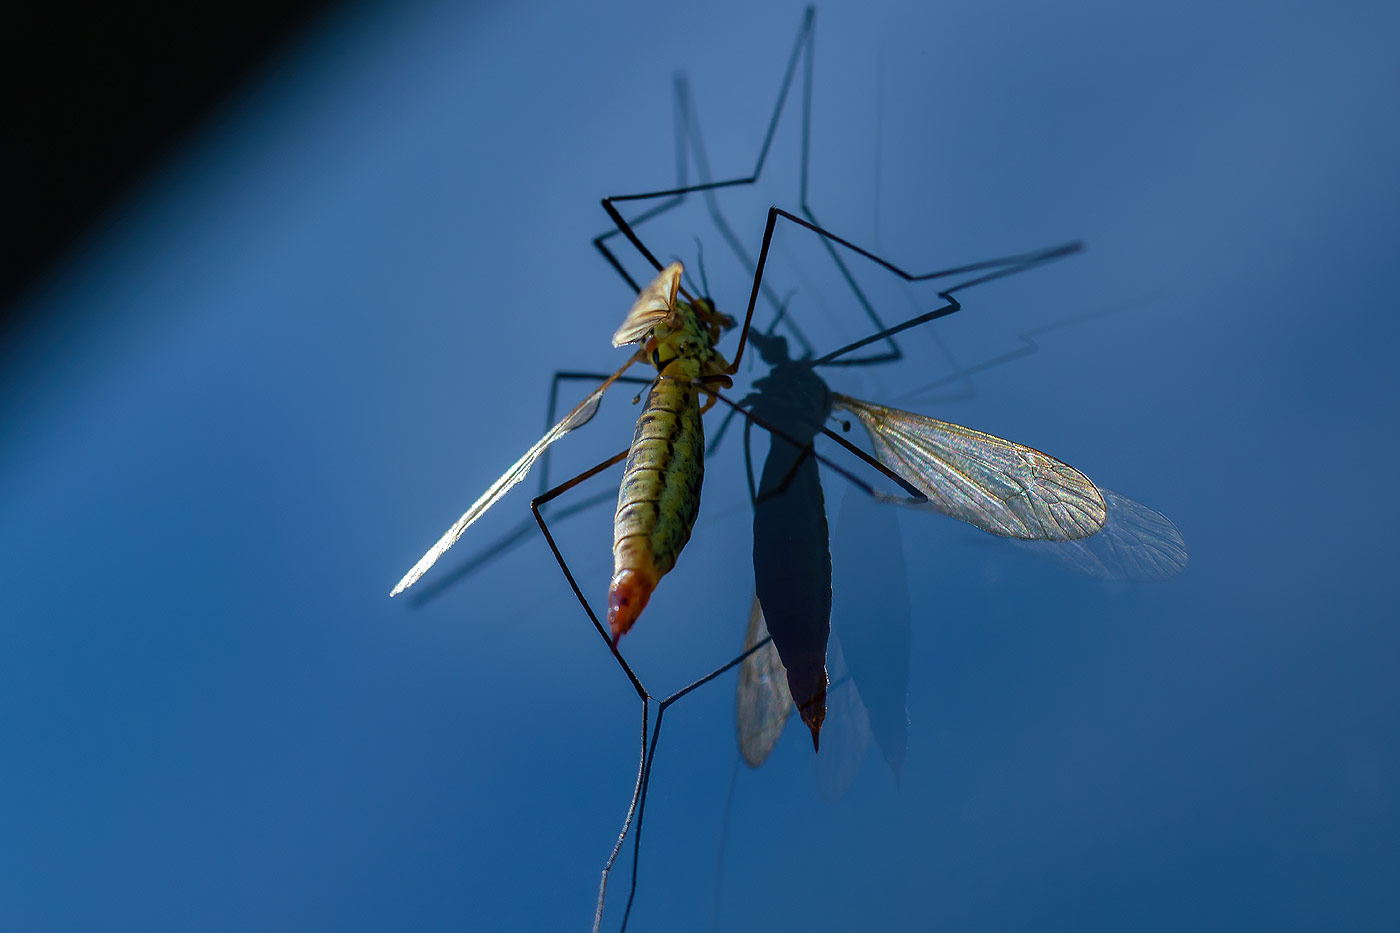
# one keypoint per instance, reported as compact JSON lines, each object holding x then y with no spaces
{"x":627,"y":597}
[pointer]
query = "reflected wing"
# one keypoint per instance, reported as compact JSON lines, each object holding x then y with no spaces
{"x":1001,"y":487}
{"x":580,"y":415}
{"x":1137,"y":545}
{"x":847,"y":734}
{"x":763,"y":702}
{"x":653,"y":304}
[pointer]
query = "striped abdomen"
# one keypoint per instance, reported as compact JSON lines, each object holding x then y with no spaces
{"x":658,"y":500}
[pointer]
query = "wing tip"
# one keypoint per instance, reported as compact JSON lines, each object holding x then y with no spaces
{"x":408,"y":580}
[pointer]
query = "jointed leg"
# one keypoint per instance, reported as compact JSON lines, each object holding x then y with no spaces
{"x":914,"y":494}
{"x":650,"y":756}
{"x":564,"y":566}
{"x":638,"y":789}
{"x":686,"y":126}
{"x":988,"y":269}
{"x":648,"y":748}
{"x":562,"y":376}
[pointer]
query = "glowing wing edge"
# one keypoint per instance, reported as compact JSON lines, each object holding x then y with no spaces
{"x":581,"y":414}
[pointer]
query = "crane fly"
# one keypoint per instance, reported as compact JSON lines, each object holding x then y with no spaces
{"x":659,"y":498}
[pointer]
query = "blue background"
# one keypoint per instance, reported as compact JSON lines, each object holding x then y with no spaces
{"x":287,"y":363}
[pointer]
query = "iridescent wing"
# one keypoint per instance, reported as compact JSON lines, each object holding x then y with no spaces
{"x":1137,"y":545}
{"x":580,"y":415}
{"x":1002,"y":487}
{"x":847,"y":733}
{"x":763,"y":703}
{"x":653,"y":304}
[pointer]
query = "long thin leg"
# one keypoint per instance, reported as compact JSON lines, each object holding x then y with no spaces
{"x":644,"y":759}
{"x":651,"y":757}
{"x":986,"y":271}
{"x":998,"y":268}
{"x":915,"y":494}
{"x":688,"y":128}
{"x":682,"y":122}
{"x":561,"y":376}
{"x":719,"y":434}
{"x":638,"y":789}
{"x":1029,"y":344}
{"x":540,"y":500}
{"x":989,"y":270}
{"x":648,"y":752}
{"x":723,"y":840}
{"x":641,"y":815}
{"x":675,"y":195}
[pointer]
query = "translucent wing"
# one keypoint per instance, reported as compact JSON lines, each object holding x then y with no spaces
{"x":847,"y":734}
{"x":1005,"y":488}
{"x":1137,"y":545}
{"x":580,"y":415}
{"x":763,"y":703}
{"x":653,"y":304}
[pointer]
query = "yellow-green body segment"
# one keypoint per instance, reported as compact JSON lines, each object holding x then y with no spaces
{"x":660,"y":494}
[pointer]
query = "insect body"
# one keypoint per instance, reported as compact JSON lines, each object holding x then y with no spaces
{"x":660,"y":493}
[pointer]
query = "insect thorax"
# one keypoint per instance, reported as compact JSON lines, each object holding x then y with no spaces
{"x":683,"y":345}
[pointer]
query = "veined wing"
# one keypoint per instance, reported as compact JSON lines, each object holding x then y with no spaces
{"x":580,"y":415}
{"x":847,"y":733}
{"x":654,"y":303}
{"x":1137,"y":545}
{"x":762,"y":703}
{"x":1002,"y":487}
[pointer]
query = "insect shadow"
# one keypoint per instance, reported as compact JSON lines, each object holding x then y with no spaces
{"x":1135,"y":544}
{"x":871,"y":632}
